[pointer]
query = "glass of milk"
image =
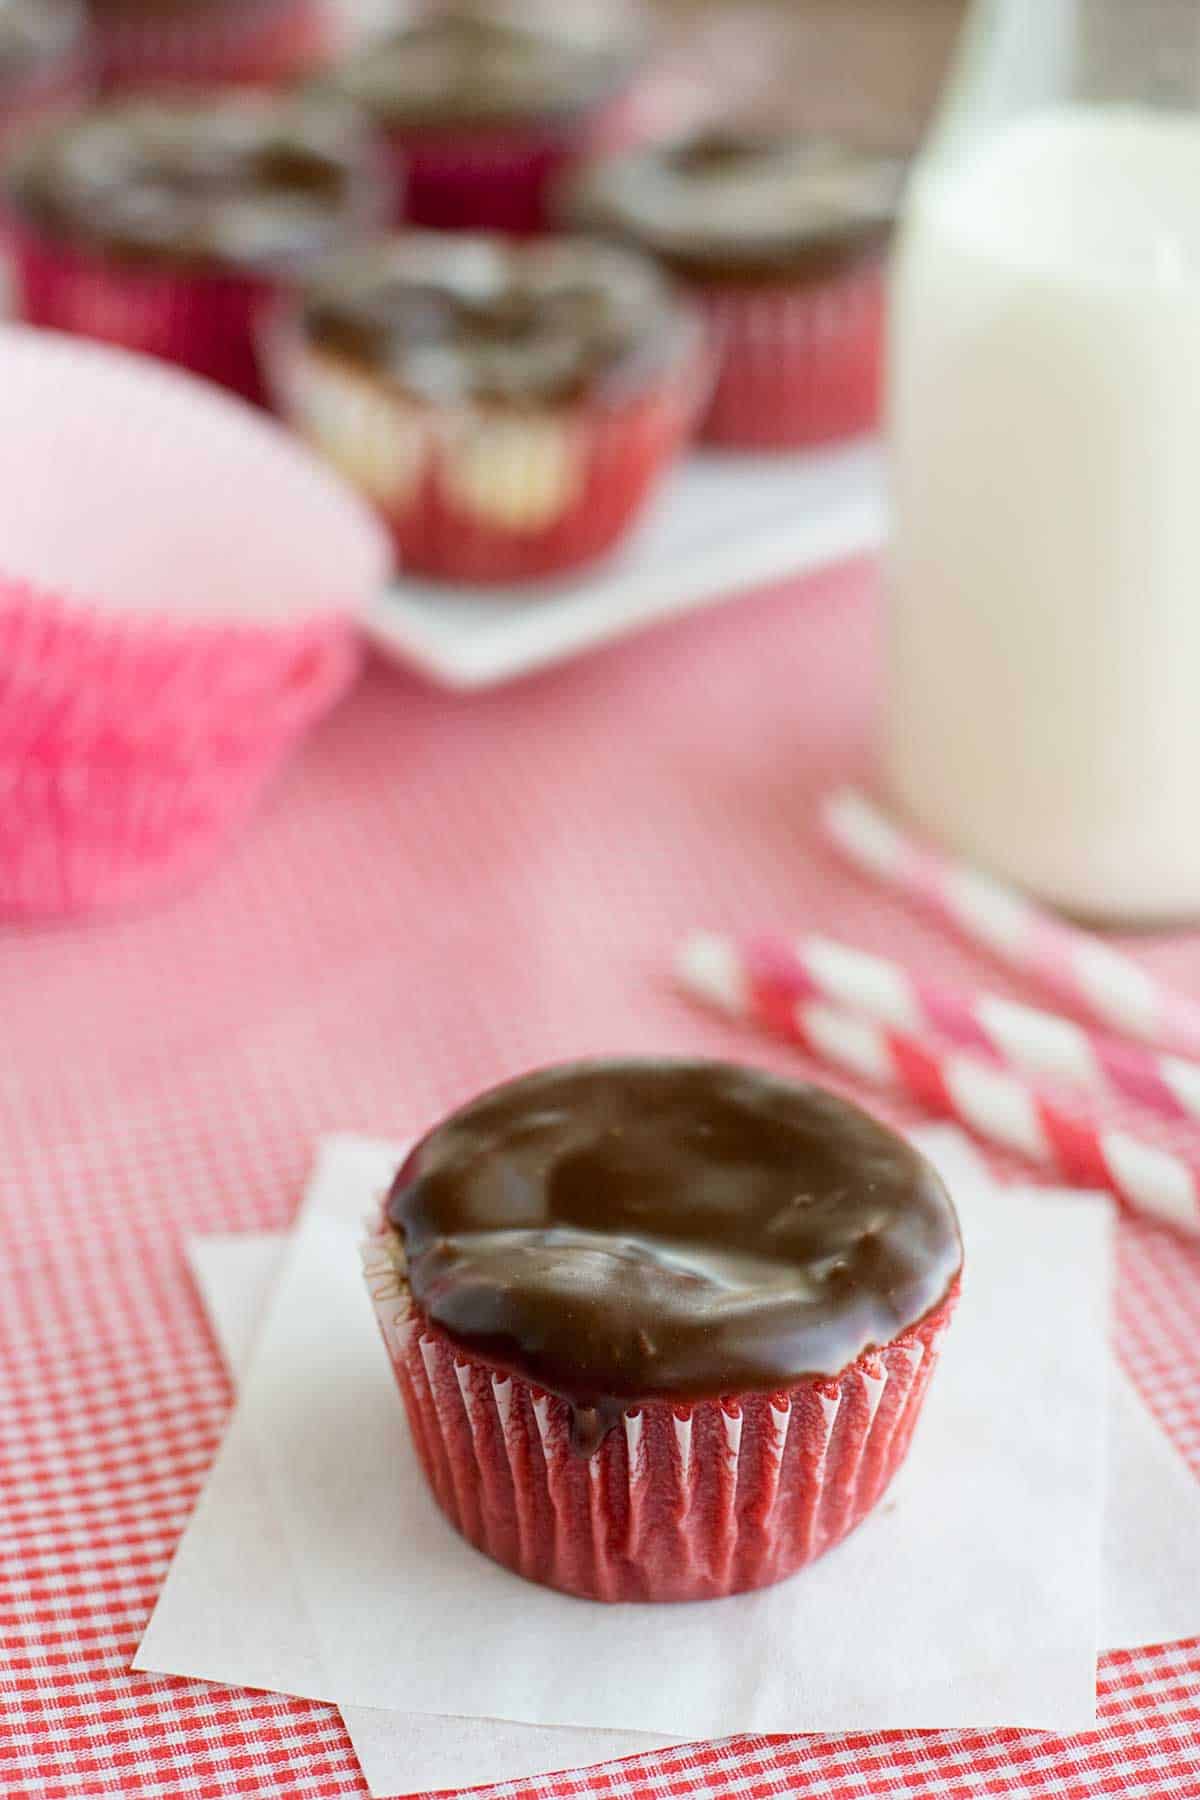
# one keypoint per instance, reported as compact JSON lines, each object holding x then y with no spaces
{"x":1043,"y":644}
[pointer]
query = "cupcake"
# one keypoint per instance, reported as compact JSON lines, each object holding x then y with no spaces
{"x":166,"y":226}
{"x":152,"y":43}
{"x":43,"y":60}
{"x":783,"y":245}
{"x":509,"y":408}
{"x":180,"y":585}
{"x":662,"y":1329}
{"x":480,"y":114}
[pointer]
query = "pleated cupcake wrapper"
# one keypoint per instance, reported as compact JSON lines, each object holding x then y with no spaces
{"x":83,"y":677}
{"x":481,"y":180}
{"x":203,"y":322}
{"x":799,"y":364}
{"x":82,"y":837}
{"x":489,"y":496}
{"x":85,"y":832}
{"x":256,"y":42}
{"x":131,"y":748}
{"x":680,"y":1502}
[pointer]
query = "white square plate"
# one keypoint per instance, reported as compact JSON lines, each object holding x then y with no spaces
{"x":725,"y":523}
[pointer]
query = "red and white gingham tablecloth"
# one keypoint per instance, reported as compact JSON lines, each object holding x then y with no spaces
{"x":443,"y":890}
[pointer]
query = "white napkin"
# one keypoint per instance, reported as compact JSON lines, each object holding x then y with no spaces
{"x":1150,"y":1575}
{"x":1150,"y":1584}
{"x":232,"y":1545}
{"x":977,"y":1578}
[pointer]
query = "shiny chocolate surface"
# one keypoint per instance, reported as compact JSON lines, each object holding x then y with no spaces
{"x":629,"y":1231}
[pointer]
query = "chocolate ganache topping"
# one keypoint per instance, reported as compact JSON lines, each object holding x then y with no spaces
{"x":447,"y":316}
{"x":620,"y":1232}
{"x":459,"y":69}
{"x":248,"y":181}
{"x":724,"y":205}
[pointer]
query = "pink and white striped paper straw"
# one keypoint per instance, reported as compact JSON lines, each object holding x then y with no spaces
{"x":1086,"y":975}
{"x":1005,"y":1031}
{"x":999,"y":1106}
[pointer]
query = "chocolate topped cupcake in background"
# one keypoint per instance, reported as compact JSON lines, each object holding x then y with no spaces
{"x":153,"y":43}
{"x":662,"y":1329}
{"x":167,"y":225}
{"x":43,"y":60}
{"x":508,"y":407}
{"x":481,"y":112}
{"x":783,"y":243}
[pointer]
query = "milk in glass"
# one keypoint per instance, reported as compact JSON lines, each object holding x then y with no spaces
{"x":1043,"y":660}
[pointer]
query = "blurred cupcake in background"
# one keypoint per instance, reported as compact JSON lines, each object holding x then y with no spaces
{"x":149,"y":43}
{"x":167,"y":225}
{"x":509,"y":408}
{"x":43,"y":60}
{"x":782,"y":242}
{"x":480,"y":112}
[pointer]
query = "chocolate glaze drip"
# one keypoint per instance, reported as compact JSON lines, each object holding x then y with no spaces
{"x":634,"y":1231}
{"x":458,"y":69}
{"x":728,"y":206}
{"x":450,"y":316}
{"x":253,"y":182}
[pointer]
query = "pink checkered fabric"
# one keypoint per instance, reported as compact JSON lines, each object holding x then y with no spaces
{"x":441,"y":892}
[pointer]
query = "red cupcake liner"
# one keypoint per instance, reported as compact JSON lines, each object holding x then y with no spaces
{"x":251,"y":43}
{"x":797,"y":364}
{"x":131,"y":749}
{"x":488,"y":497}
{"x":204,"y":322}
{"x":479,"y":180}
{"x":687,"y":1502}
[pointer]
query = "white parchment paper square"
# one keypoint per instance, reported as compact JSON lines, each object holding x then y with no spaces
{"x":969,"y":1598}
{"x":230,"y":1608}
